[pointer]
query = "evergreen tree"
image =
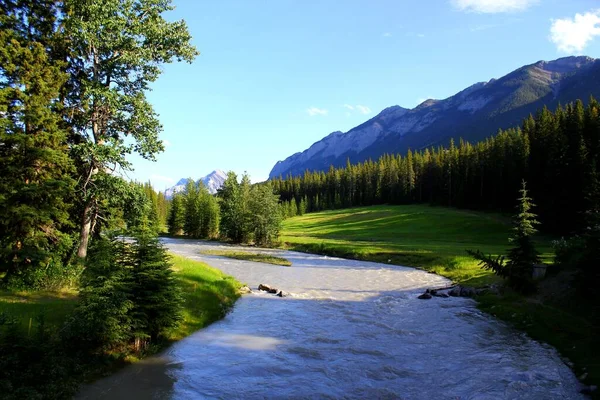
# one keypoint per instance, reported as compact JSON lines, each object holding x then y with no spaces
{"x":156,"y":296}
{"x":35,"y":170}
{"x":176,"y":215}
{"x":518,"y":270}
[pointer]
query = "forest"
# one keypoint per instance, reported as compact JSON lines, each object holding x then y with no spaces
{"x":556,"y":153}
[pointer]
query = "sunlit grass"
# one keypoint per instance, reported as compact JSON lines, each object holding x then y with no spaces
{"x":208,"y":294}
{"x":248,"y":256}
{"x":28,"y":307}
{"x":432,"y":238}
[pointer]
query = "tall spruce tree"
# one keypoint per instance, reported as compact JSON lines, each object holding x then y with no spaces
{"x":35,"y":170}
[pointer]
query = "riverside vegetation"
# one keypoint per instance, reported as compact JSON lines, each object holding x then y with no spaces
{"x":64,"y":275}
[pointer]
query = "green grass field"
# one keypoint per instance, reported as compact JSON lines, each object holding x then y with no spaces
{"x":207,"y":292}
{"x":248,"y":256}
{"x":431,"y":238}
{"x":435,"y":239}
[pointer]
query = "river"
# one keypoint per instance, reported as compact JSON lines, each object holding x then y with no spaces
{"x":349,"y":329}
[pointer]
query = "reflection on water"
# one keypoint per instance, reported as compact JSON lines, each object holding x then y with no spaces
{"x":350,"y":330}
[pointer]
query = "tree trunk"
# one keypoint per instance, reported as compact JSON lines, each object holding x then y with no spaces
{"x":86,"y":229}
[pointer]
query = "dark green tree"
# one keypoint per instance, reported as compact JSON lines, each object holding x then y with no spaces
{"x":176,"y":215}
{"x":155,"y":293}
{"x":35,"y":170}
{"x":521,"y":258}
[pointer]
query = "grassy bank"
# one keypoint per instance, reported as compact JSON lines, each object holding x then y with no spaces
{"x":208,"y":294}
{"x":248,"y":256}
{"x":430,"y":238}
{"x":435,"y":239}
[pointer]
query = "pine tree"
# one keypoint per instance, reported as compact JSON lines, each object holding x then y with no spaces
{"x":35,"y":170}
{"x":156,"y":296}
{"x":176,"y":215}
{"x":518,"y":270}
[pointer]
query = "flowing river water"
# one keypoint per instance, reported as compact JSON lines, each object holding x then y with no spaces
{"x":349,"y":329}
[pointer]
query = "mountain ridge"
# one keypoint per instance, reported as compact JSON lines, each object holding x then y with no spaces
{"x":212,"y":181}
{"x":473,"y":113}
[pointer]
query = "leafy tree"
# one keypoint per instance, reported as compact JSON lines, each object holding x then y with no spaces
{"x":234,"y":208}
{"x":265,"y":211}
{"x":114,"y":50}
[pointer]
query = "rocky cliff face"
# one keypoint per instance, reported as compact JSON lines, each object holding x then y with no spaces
{"x":473,"y":114}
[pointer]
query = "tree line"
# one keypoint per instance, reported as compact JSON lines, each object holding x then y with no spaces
{"x":239,"y":212}
{"x":557,"y":153}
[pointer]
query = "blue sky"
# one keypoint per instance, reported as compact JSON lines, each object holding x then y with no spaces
{"x":275,"y":76}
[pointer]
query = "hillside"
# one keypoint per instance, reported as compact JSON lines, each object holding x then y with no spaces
{"x":472,"y":114}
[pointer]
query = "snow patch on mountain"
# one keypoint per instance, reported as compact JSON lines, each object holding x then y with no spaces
{"x":212,"y":181}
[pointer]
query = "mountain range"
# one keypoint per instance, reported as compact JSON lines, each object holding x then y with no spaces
{"x":212,"y":181}
{"x":472,"y":114}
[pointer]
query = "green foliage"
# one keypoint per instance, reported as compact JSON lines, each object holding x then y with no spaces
{"x":115,"y":49}
{"x":518,"y":270}
{"x":234,"y":208}
{"x":266,"y":219}
{"x":248,"y":256}
{"x":200,"y":212}
{"x":102,"y":320}
{"x":34,"y":365}
{"x":155,"y":293}
{"x":129,"y":295}
{"x":176,"y":218}
{"x":556,"y":153}
{"x":35,"y":180}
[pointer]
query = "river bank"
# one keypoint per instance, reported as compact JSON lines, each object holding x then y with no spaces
{"x":208,"y":295}
{"x":435,"y":239}
{"x":349,"y":329}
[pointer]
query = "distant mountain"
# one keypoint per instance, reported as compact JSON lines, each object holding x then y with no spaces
{"x":473,"y":114}
{"x":212,"y":181}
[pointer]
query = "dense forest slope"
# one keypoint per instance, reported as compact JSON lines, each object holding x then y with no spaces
{"x":472,"y":114}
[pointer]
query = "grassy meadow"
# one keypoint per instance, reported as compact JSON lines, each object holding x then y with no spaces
{"x":435,"y":239}
{"x":430,"y":238}
{"x":248,"y":256}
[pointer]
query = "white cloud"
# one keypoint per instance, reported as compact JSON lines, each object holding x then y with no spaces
{"x":161,"y":178}
{"x":166,"y":142}
{"x":357,"y":108}
{"x":387,"y":34}
{"x":573,"y":35}
{"x":363,"y":109}
{"x":312,"y":111}
{"x":493,"y":6}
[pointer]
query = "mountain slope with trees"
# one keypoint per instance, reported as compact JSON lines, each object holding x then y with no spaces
{"x":473,"y":114}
